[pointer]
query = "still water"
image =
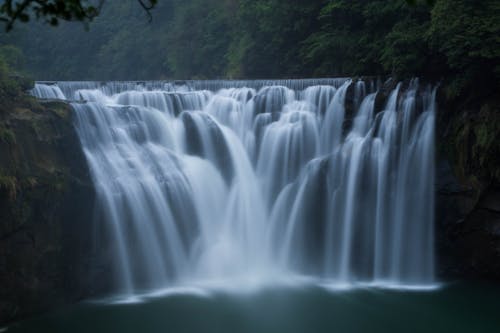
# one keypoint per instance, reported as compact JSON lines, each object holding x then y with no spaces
{"x":452,"y":308}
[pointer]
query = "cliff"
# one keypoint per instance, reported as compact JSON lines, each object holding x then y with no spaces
{"x":468,"y":188}
{"x":46,"y":200}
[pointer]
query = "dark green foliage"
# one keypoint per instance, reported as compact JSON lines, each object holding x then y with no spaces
{"x":198,"y":38}
{"x":454,"y":41}
{"x":12,"y":56}
{"x":12,"y":83}
{"x":52,"y":11}
{"x":268,"y":36}
{"x":467,"y":34}
{"x":49,"y":10}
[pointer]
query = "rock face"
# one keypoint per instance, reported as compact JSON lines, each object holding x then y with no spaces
{"x":468,"y":191}
{"x":468,"y":230}
{"x":46,"y":200}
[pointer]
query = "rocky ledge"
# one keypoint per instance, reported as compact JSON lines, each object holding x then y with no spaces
{"x":468,"y":189}
{"x":46,"y":199}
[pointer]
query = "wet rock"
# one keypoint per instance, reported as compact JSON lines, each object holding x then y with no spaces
{"x":46,"y":198}
{"x":468,"y":191}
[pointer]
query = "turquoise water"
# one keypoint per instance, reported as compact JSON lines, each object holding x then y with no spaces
{"x":454,"y":308}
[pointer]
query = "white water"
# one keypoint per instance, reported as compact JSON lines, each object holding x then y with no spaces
{"x":259,"y":183}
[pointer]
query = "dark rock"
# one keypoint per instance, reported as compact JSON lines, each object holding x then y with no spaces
{"x":468,"y":190}
{"x":46,"y":199}
{"x":491,"y":202}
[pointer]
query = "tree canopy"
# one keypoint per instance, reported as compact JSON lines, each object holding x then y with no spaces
{"x":456,"y":39}
{"x":51,"y":11}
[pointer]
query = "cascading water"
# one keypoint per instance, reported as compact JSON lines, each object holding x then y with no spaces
{"x":260,"y":179}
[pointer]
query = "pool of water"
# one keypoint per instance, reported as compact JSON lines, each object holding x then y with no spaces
{"x":452,"y":308}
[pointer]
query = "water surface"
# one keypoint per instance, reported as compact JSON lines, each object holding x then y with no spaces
{"x":454,"y":308}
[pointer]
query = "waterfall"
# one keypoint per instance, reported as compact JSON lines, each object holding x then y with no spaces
{"x":48,"y":91}
{"x":201,"y":180}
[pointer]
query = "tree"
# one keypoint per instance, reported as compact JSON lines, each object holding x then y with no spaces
{"x":467,"y":34}
{"x":51,"y":11}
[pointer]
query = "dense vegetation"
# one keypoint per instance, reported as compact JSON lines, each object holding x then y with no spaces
{"x":52,"y":11}
{"x":13,"y":84}
{"x":271,"y":38}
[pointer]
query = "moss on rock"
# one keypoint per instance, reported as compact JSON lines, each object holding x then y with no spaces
{"x":468,"y":140}
{"x":46,"y":197}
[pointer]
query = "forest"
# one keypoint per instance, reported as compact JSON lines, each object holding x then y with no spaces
{"x":456,"y":40}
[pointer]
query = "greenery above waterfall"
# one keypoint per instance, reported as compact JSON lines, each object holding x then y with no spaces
{"x":271,"y":38}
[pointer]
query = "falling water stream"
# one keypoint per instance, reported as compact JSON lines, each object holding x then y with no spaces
{"x":261,"y":181}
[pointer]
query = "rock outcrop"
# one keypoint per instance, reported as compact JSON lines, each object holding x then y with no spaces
{"x":46,"y":199}
{"x":468,"y":190}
